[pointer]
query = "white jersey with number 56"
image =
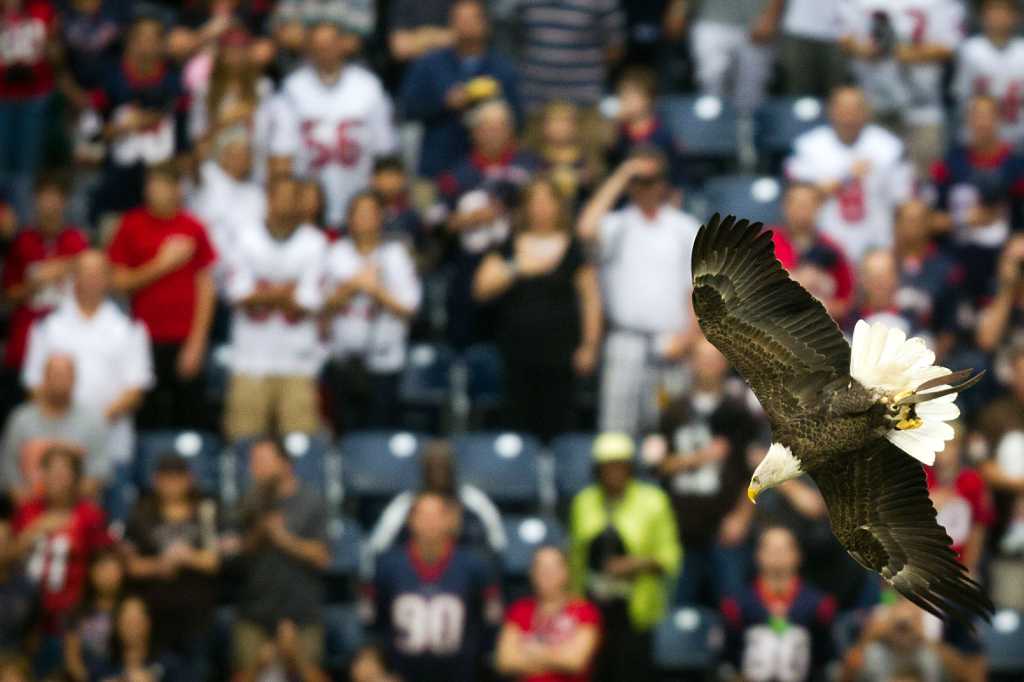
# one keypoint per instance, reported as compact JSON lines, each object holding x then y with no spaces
{"x":983,"y":68}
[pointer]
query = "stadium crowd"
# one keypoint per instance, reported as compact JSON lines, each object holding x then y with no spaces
{"x":352,"y":340}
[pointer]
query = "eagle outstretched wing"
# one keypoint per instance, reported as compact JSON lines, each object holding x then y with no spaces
{"x":880,"y":511}
{"x":778,"y":336}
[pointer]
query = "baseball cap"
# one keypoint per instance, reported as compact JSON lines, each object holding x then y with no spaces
{"x":613,"y":447}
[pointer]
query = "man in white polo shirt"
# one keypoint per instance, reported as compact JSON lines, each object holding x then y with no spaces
{"x":644,"y":261}
{"x":111,"y":352}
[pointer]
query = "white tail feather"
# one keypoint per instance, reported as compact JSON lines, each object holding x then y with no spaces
{"x":885,"y":360}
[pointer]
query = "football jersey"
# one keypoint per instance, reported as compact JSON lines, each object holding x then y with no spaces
{"x":25,"y":69}
{"x":779,"y":638}
{"x":912,"y":89}
{"x":984,"y":69}
{"x":432,"y":617}
{"x":269,"y":342}
{"x":333,"y":131}
{"x":59,"y":562}
{"x":552,"y":630}
{"x":859,"y":215}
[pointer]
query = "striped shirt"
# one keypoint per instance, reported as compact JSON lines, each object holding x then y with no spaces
{"x":565,"y":43}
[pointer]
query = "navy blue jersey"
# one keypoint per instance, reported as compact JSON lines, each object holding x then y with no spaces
{"x":780,"y":638}
{"x":957,"y":177}
{"x":432,"y":618}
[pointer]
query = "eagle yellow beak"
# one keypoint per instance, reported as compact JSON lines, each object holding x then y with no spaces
{"x":752,"y":493}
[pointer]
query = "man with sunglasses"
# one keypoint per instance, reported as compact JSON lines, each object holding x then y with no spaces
{"x":643,"y":252}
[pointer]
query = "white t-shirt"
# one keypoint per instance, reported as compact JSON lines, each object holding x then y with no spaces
{"x":364,"y":328}
{"x":334,"y":131}
{"x":914,"y":90}
{"x":814,"y":19}
{"x":271,"y":344}
{"x":112,"y":355}
{"x":859,"y":216}
{"x":984,"y":69}
{"x":645,"y":268}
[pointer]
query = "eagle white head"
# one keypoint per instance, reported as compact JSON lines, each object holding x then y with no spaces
{"x":778,"y":466}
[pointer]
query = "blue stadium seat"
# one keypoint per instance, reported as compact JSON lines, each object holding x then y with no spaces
{"x":745,"y":196}
{"x":573,"y":463}
{"x":218,"y":373}
{"x":525,"y":534}
{"x":780,"y":120}
{"x":503,"y":465}
{"x":309,"y":455}
{"x":688,"y":639}
{"x":485,"y":381}
{"x":1004,"y":643}
{"x":380,"y":464}
{"x":343,"y":636}
{"x":201,"y":450}
{"x":426,"y":381}
{"x":346,"y":544}
{"x":703,"y":126}
{"x":120,"y":494}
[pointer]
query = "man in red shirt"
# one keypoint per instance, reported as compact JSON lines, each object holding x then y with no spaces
{"x":163,"y":261}
{"x":58,"y":533}
{"x":27,"y":52}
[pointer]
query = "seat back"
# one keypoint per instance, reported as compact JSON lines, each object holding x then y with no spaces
{"x":1004,"y":642}
{"x":201,"y":450}
{"x":689,"y":638}
{"x":757,"y":198}
{"x":503,"y":465}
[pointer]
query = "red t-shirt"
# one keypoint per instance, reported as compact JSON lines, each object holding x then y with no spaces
{"x":31,"y":248}
{"x":59,"y":563}
{"x":166,"y":305}
{"x":553,"y":630}
{"x":970,"y":504}
{"x":837,"y":266}
{"x":25,"y":70}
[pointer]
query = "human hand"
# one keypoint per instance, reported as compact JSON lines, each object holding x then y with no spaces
{"x":456,"y":98}
{"x":860,"y":168}
{"x":764,"y":29}
{"x":584,"y":360}
{"x":174,"y":252}
{"x":733,"y":530}
{"x":191,"y":357}
{"x":624,"y":566}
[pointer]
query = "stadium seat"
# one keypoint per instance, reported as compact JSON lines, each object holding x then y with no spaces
{"x":780,"y":120}
{"x":1004,"y":643}
{"x":377,"y":465}
{"x":346,"y":543}
{"x":201,"y":450}
{"x":503,"y":465}
{"x":689,"y":639}
{"x":703,"y":126}
{"x":485,"y":380}
{"x":310,"y":455}
{"x":573,"y":463}
{"x":120,"y":494}
{"x":425,"y":387}
{"x":525,"y":534}
{"x":218,"y":373}
{"x":343,"y":636}
{"x":745,"y":196}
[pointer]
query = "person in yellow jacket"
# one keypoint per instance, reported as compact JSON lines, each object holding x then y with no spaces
{"x":625,"y":553}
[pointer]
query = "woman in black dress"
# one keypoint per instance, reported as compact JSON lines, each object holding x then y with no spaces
{"x":548,"y":309}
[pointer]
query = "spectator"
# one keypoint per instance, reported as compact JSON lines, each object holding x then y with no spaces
{"x":701,"y":457}
{"x":171,"y":548}
{"x":992,"y":63}
{"x":227,"y":197}
{"x":481,"y":521}
{"x":135,"y":656}
{"x":89,"y":642}
{"x":27,"y":66}
{"x":373,"y":292}
{"x":91,"y":32}
{"x":390,"y":183}
{"x":859,"y":168}
{"x":625,"y":551}
{"x":877,"y":299}
{"x":441,"y":86}
{"x":49,"y":419}
{"x":549,"y":312}
{"x":419,"y":27}
{"x":15,"y":668}
{"x":162,"y":261}
{"x":569,"y":150}
{"x":551,"y":635}
{"x":442,"y":592}
{"x":483,"y":192}
{"x":18,"y":599}
{"x":36,"y":270}
{"x":962,"y":500}
{"x":644,"y":263}
{"x":291,"y":18}
{"x":638,"y":122}
{"x":567,"y":49}
{"x":812,"y":63}
{"x":58,"y":534}
{"x":369,"y":665}
{"x":779,"y":627}
{"x":145,"y":109}
{"x":799,"y":244}
{"x":111,"y":353}
{"x":899,"y":58}
{"x":285,"y":553}
{"x":732,"y":49}
{"x":274,"y":284}
{"x":990,"y":259}
{"x":333,"y":121}
{"x":982,"y":159}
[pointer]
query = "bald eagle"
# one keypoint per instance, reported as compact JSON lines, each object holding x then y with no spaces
{"x":858,"y":420}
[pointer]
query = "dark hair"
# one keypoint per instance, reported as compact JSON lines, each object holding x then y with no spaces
{"x":116,"y":645}
{"x":1012,"y":4}
{"x":66,"y":453}
{"x":167,"y":170}
{"x":275,"y":440}
{"x":642,"y":78}
{"x":390,"y":163}
{"x":51,"y":181}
